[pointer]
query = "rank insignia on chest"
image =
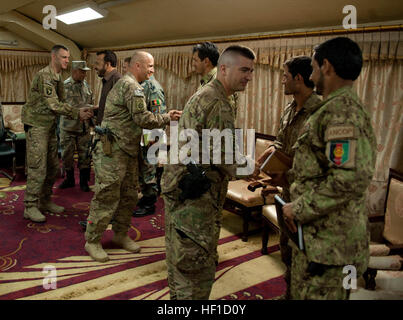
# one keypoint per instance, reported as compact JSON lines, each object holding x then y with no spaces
{"x":341,"y":152}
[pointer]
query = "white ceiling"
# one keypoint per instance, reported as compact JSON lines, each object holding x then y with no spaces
{"x":148,"y":21}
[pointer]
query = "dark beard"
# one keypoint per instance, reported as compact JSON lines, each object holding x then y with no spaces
{"x":101,"y":73}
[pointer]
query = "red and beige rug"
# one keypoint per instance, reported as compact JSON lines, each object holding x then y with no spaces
{"x":48,"y":261}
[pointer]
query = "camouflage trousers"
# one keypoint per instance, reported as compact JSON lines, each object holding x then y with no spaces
{"x":147,"y":175}
{"x":70,"y":141}
{"x":192,"y":230}
{"x":115,"y":192}
{"x":328,"y":286}
{"x":286,"y":257}
{"x":42,"y":164}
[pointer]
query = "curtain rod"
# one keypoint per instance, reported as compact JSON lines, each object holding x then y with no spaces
{"x":268,"y":36}
{"x":247,"y":38}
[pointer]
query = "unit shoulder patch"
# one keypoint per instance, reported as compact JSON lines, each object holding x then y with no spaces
{"x":48,"y":90}
{"x":341,"y":153}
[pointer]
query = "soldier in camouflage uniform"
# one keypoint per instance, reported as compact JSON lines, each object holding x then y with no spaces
{"x":296,"y":82}
{"x":75,"y":134}
{"x":115,"y":157}
{"x":155,"y":100}
{"x":333,"y":166}
{"x":192,"y":226}
{"x":204,"y":62}
{"x":46,"y":100}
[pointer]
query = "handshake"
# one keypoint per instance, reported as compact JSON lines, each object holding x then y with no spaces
{"x":175,"y":115}
{"x":87,"y":112}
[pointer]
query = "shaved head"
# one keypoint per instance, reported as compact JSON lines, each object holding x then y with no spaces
{"x":235,"y":68}
{"x":140,"y":57}
{"x":231,"y":54}
{"x":141,"y":65}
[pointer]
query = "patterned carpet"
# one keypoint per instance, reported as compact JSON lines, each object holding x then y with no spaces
{"x":48,"y":261}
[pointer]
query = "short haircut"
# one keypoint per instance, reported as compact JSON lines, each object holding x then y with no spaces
{"x":128,"y":59}
{"x":57,"y":47}
{"x":110,"y":57}
{"x":344,"y":55}
{"x":238,"y":50}
{"x":301,"y":65}
{"x":207,"y":50}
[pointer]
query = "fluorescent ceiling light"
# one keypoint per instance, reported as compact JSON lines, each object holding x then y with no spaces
{"x":82,"y":14}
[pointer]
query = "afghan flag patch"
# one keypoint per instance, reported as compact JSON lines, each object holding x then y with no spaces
{"x":156,"y":102}
{"x":339,"y":151}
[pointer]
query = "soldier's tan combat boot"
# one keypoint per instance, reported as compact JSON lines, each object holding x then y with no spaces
{"x":124,"y":241}
{"x":34,"y":214}
{"x":48,"y":205}
{"x":96,"y":251}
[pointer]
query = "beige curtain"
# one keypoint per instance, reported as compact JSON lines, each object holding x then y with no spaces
{"x":380,"y":87}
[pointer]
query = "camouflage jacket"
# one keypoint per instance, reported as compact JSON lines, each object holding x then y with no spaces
{"x":154,"y":95}
{"x":206,"y":79}
{"x":78,"y":94}
{"x":291,"y":123}
{"x":46,"y":100}
{"x":126,"y":114}
{"x":333,"y":166}
{"x":209,"y":108}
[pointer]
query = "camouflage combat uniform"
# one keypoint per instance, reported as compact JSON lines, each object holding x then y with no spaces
{"x":333,"y":166}
{"x":116,"y":175}
{"x":192,"y":227}
{"x":46,"y":100}
{"x":206,"y":79}
{"x":155,"y":101}
{"x":75,"y":133}
{"x":291,"y":123}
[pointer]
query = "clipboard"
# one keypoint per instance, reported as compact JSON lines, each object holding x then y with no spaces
{"x":297,"y":237}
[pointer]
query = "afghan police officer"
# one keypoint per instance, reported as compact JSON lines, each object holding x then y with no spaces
{"x":296,"y":82}
{"x":74,"y":134}
{"x":333,"y":166}
{"x":192,"y":222}
{"x":115,"y":157}
{"x":46,"y":100}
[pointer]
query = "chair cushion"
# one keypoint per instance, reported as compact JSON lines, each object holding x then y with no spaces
{"x":385,"y":263}
{"x":378,"y":250}
{"x":12,"y":118}
{"x":270,"y":213}
{"x":393,"y":231}
{"x":238,"y":191}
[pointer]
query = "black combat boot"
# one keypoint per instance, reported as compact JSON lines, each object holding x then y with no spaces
{"x":146,"y":206}
{"x":69,"y":181}
{"x":84,"y":178}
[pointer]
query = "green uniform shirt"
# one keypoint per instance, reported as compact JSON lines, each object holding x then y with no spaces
{"x":206,"y":79}
{"x":154,"y":95}
{"x":78,"y":94}
{"x":46,"y":100}
{"x":209,"y":108}
{"x":333,"y":165}
{"x":126,"y":114}
{"x":291,"y":123}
